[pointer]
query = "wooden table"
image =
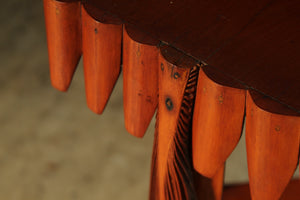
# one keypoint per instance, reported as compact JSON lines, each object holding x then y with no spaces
{"x":206,"y":66}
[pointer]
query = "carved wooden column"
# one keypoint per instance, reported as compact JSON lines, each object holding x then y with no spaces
{"x":173,"y":175}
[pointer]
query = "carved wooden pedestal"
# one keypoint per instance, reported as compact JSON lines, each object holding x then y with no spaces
{"x":200,"y":109}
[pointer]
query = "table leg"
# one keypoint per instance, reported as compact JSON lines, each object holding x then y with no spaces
{"x":173,"y":175}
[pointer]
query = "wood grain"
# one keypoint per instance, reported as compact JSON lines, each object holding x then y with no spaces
{"x":217,"y":124}
{"x":210,"y":188}
{"x":63,"y":26}
{"x":272,"y":142}
{"x":194,"y":26}
{"x":174,"y":166}
{"x":238,"y":192}
{"x":252,"y":41}
{"x":140,"y":84}
{"x":101,"y":59}
{"x":264,"y":54}
{"x":173,"y":176}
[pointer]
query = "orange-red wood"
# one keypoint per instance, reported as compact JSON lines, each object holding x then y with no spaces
{"x":173,"y":176}
{"x":101,"y":45}
{"x":63,"y":25}
{"x":242,"y":192}
{"x":172,"y":172}
{"x":140,"y":84}
{"x":217,"y":124}
{"x":272,"y":142}
{"x":171,"y":92}
{"x":210,"y":188}
{"x":237,"y":37}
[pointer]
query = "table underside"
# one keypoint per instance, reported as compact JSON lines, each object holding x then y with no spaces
{"x":206,"y":67}
{"x":254,"y":42}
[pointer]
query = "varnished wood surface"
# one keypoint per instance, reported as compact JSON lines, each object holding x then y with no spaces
{"x":101,"y":60}
{"x":63,"y":25}
{"x":173,"y":176}
{"x":174,"y":171}
{"x":217,"y":124}
{"x":265,"y":55}
{"x":272,"y":152}
{"x":272,"y":143}
{"x":254,"y":42}
{"x":238,"y":192}
{"x":210,"y":188}
{"x":140,"y":84}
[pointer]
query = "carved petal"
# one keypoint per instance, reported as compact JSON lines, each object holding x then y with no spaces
{"x":272,"y":142}
{"x":101,"y":59}
{"x":140,"y":82}
{"x":217,"y":124}
{"x":63,"y":24}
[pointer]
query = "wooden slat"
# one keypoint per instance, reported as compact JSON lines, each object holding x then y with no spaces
{"x":140,"y":84}
{"x":63,"y":25}
{"x":101,"y":59}
{"x":217,"y":124}
{"x":272,"y":142}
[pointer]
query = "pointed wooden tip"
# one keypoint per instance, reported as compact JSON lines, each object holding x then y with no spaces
{"x":96,"y":106}
{"x":61,"y":72}
{"x":101,"y":45}
{"x":217,"y":124}
{"x":61,"y":85}
{"x":140,"y":84}
{"x":63,"y":25}
{"x":137,"y":131}
{"x":272,"y":142}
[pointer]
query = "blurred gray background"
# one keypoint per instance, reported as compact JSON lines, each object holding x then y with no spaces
{"x":51,"y":145}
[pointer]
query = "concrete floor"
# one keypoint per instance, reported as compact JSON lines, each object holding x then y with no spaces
{"x":51,"y":145}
